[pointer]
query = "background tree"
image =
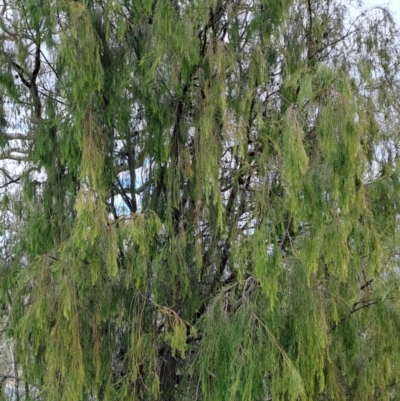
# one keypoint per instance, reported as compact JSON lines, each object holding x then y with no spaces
{"x":206,"y":199}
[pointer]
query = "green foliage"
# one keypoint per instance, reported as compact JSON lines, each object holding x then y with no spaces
{"x":208,"y":202}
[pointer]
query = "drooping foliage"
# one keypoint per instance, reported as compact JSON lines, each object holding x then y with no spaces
{"x":200,"y":199}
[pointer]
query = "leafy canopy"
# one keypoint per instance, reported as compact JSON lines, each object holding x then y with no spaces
{"x":200,"y":199}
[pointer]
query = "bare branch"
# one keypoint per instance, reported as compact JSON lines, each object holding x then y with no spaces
{"x":17,"y":136}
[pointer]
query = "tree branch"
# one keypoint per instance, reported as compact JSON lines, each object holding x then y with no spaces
{"x":354,"y":309}
{"x":286,"y":235}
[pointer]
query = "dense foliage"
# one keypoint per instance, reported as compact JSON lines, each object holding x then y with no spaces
{"x":200,"y":199}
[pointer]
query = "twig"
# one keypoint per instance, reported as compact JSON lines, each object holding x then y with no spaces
{"x":354,"y":309}
{"x":286,"y":235}
{"x":6,"y":377}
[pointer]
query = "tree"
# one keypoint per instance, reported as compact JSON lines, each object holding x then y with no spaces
{"x":206,"y":196}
